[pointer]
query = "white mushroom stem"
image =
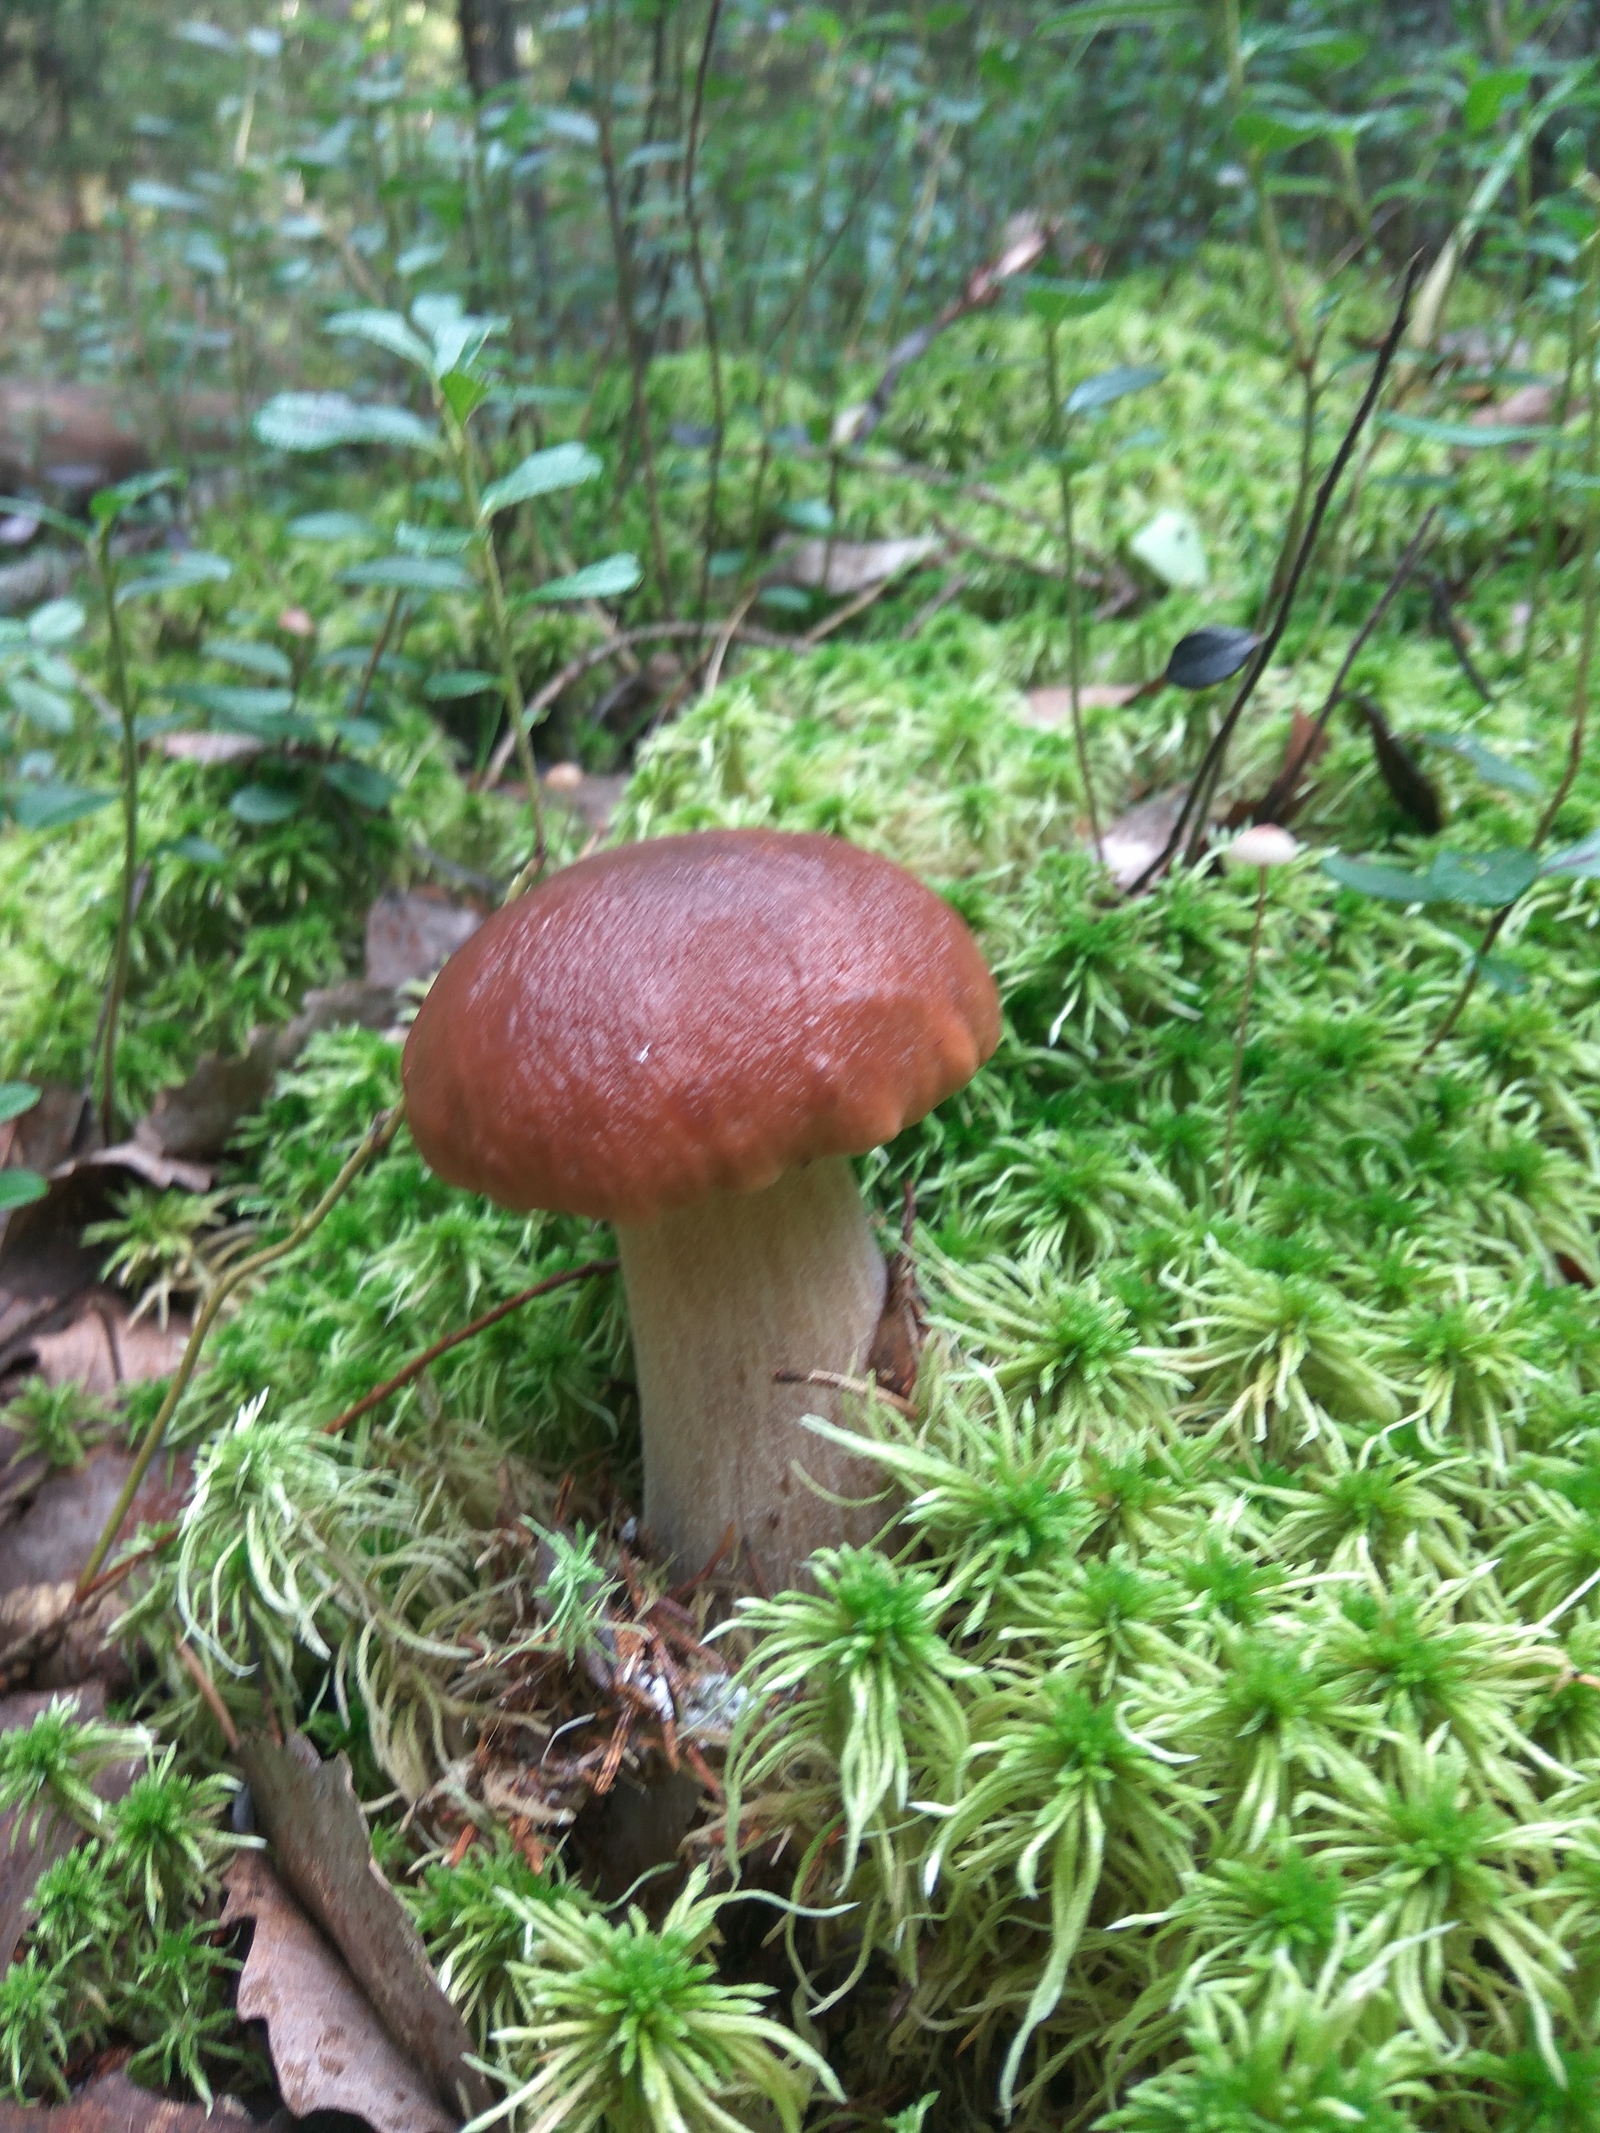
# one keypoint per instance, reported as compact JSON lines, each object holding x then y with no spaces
{"x":722,"y":1295}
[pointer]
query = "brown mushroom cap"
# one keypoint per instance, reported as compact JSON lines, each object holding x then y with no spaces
{"x":693,"y":1015}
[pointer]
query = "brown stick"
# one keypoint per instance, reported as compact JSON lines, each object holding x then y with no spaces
{"x":836,"y":1381}
{"x":419,"y":1363}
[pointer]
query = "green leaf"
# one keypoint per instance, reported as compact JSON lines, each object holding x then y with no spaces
{"x":562,"y":466}
{"x":108,"y":505}
{"x":608,"y":579}
{"x":464,"y":392}
{"x":1487,"y":880}
{"x":411,"y":573}
{"x":40,"y":706}
{"x":808,"y":514}
{"x":57,"y":622}
{"x":1581,"y":859}
{"x":199,"y":851}
{"x":361,"y":783}
{"x":1493,"y":769}
{"x":1058,"y":301}
{"x":180,"y":574}
{"x":15,"y":1098}
{"x":1091,"y":394}
{"x":317,"y":422}
{"x":167,"y":199}
{"x":1501,"y":973}
{"x":1489,"y":94}
{"x":51,"y":805}
{"x":1392,"y":885}
{"x":262,"y":805}
{"x":1468,"y":436}
{"x":329,"y":526}
{"x":382,"y":329}
{"x":1272,"y":132}
{"x":1171,"y":547}
{"x":30,"y":507}
{"x":459,"y":682}
{"x":1094,"y":16}
{"x":226,"y":700}
{"x":268,"y":659}
{"x":19,"y":1188}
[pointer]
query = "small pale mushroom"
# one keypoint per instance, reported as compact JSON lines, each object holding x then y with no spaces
{"x":690,"y":1038}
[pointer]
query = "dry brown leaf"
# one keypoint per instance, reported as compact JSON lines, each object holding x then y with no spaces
{"x":105,"y":1348}
{"x":849,"y":566}
{"x":111,"y":2103}
{"x":329,"y":2050}
{"x":1053,"y":707}
{"x":209,"y":747}
{"x":409,"y":935}
{"x":309,"y":1811}
{"x":51,"y":1541}
{"x":1138,"y":838}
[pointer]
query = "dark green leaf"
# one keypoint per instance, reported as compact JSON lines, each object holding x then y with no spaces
{"x":15,"y":1098}
{"x":1581,"y":859}
{"x":464,"y":391}
{"x":608,"y":579}
{"x":57,"y":622}
{"x":382,"y":329}
{"x":181,"y":574}
{"x":1467,"y":436}
{"x":268,"y":659}
{"x":1493,"y":769}
{"x":332,"y":526}
{"x":1090,"y":394}
{"x":40,"y":706}
{"x":361,"y":783}
{"x":562,"y":466}
{"x":1391,"y":884}
{"x":51,"y":805}
{"x":1489,"y":95}
{"x":19,"y":1188}
{"x":1209,"y":655}
{"x":411,"y":573}
{"x":459,"y":682}
{"x":1488,"y":880}
{"x":1058,"y":301}
{"x":317,"y":422}
{"x":262,"y":805}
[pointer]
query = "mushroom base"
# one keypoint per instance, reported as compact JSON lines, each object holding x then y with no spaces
{"x":722,"y":1295}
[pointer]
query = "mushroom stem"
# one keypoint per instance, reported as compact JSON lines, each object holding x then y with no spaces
{"x":722,"y":1295}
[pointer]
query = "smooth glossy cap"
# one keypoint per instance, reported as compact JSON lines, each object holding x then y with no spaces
{"x":693,"y":1015}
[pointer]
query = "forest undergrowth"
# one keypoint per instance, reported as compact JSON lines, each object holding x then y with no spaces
{"x":1212,"y":1740}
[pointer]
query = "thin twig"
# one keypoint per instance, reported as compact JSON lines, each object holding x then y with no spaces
{"x":725,"y":638}
{"x":377,"y":1137}
{"x":1439,"y":592}
{"x":1211,"y":768}
{"x":190,"y":1662}
{"x":708,"y":311}
{"x":419,"y":1363}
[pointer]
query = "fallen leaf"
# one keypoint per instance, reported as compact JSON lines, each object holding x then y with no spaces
{"x":50,"y":1543}
{"x":329,"y":2050}
{"x":1528,"y":407}
{"x":1053,"y":707}
{"x":103,"y":1348}
{"x":593,"y":796}
{"x":1138,"y":838}
{"x":309,"y":1811}
{"x":209,"y":748}
{"x":410,"y":934}
{"x":848,"y":566}
{"x":197,"y":1117}
{"x":149,"y":1165}
{"x":1410,"y":787}
{"x":111,"y":2103}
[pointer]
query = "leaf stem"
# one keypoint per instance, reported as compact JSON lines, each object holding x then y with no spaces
{"x":122,"y":689}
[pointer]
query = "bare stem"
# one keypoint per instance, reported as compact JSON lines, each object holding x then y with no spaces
{"x":708,"y":309}
{"x":122,"y":689}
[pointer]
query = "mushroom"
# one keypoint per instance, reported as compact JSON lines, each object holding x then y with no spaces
{"x":689,"y":1038}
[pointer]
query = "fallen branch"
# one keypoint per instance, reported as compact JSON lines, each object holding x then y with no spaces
{"x":418,"y":1364}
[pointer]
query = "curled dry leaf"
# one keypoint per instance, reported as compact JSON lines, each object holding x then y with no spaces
{"x":329,"y":2050}
{"x":849,"y":566}
{"x":409,"y":935}
{"x":1053,"y":707}
{"x":309,"y":1811}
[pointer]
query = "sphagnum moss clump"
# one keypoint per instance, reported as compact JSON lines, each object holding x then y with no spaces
{"x":1212,"y":1742}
